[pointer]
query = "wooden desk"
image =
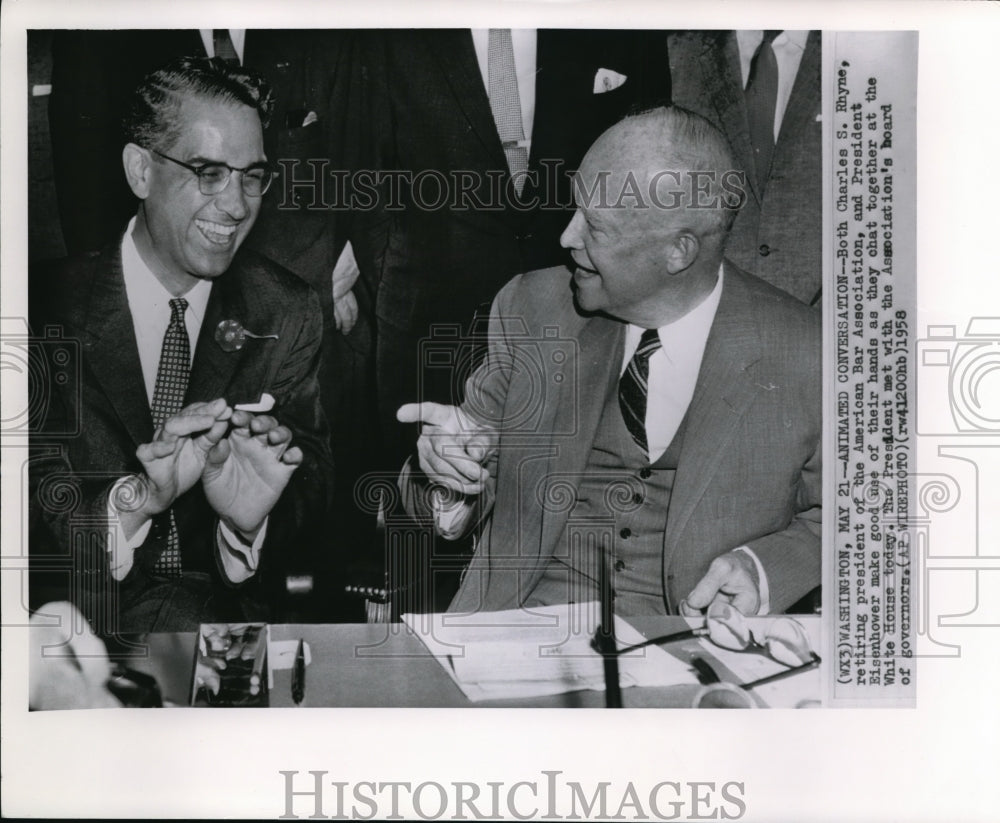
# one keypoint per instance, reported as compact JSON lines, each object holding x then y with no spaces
{"x":386,"y":665}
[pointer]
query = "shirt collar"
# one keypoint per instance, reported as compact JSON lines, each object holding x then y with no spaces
{"x":749,"y":39}
{"x":147,"y":296}
{"x":688,"y":333}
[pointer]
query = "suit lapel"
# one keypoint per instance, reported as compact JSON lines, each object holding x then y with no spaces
{"x":600,"y":344}
{"x":213,"y":368}
{"x":726,"y":387}
{"x":456,"y":55}
{"x":110,"y":342}
{"x":804,"y":101}
{"x":720,"y":59}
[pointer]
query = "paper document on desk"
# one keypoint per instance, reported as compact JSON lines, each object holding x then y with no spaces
{"x":536,"y":652}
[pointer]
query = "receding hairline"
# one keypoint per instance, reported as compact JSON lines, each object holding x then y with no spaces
{"x":659,"y":138}
{"x":665,"y":146}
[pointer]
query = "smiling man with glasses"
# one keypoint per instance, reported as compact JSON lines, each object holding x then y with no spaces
{"x":199,"y":464}
{"x":214,"y":177}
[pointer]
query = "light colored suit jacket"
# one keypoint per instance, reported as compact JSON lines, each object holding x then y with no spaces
{"x":749,"y":467}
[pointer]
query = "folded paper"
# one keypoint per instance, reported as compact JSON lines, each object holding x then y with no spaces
{"x":607,"y":80}
{"x":538,"y":651}
{"x":265,"y":404}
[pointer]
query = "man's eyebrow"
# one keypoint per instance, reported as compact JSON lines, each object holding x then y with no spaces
{"x":198,"y":160}
{"x":211,"y":161}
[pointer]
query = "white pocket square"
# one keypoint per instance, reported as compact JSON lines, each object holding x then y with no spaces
{"x":607,"y":80}
{"x":265,"y":404}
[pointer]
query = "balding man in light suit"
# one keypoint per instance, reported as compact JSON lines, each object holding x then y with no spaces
{"x":656,"y":407}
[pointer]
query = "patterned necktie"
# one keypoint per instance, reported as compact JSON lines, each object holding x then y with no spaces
{"x":224,"y":47}
{"x":168,"y":398}
{"x":505,"y":101}
{"x":761,"y":99}
{"x":633,"y":388}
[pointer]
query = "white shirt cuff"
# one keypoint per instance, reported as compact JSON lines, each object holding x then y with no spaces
{"x":452,"y":512}
{"x":765,"y":591}
{"x":239,"y":560}
{"x":120,"y":549}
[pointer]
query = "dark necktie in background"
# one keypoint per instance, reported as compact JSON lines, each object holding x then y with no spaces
{"x":505,"y":101}
{"x":172,"y":377}
{"x":633,"y":388}
{"x":224,"y":47}
{"x":761,"y":99}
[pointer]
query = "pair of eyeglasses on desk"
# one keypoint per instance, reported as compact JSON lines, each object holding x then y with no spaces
{"x":785,"y":641}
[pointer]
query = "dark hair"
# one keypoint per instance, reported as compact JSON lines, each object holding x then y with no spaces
{"x":152,"y":119}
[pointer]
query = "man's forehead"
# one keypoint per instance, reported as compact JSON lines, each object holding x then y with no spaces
{"x":216,"y":129}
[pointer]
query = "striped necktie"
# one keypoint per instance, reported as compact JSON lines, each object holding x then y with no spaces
{"x":172,"y":377}
{"x":633,"y":388}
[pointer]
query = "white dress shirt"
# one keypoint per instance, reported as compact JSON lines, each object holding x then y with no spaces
{"x":525,"y":42}
{"x":673,"y":369}
{"x":788,"y":48}
{"x":149,"y":305}
{"x":673,"y":374}
{"x":238,"y":36}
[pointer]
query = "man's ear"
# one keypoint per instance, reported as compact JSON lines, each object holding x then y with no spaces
{"x":138,"y":168}
{"x":682,"y":251}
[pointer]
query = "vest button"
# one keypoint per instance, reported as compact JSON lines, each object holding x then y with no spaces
{"x":619,"y":565}
{"x":764,"y":250}
{"x":625,"y":533}
{"x":645,"y":473}
{"x":637,"y":498}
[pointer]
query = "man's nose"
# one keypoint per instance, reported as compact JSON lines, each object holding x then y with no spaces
{"x":232,"y":199}
{"x":571,"y":237}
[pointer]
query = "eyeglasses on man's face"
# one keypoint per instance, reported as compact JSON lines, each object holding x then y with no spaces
{"x":214,"y":177}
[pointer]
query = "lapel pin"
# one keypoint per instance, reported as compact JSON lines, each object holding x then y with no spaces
{"x":231,"y":336}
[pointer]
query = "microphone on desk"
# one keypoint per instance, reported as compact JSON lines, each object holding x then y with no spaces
{"x":606,"y":643}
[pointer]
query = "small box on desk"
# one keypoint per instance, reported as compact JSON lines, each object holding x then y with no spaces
{"x":230,"y":668}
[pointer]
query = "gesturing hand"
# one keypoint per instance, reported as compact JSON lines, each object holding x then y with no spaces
{"x":732,"y":578}
{"x":246,"y":473}
{"x":174,"y":459}
{"x":453,"y":448}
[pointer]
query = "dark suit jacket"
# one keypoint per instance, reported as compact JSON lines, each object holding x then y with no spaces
{"x":430,"y":111}
{"x":778,"y":233}
{"x":748,"y":472}
{"x":96,"y":419}
{"x":431,"y":269}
